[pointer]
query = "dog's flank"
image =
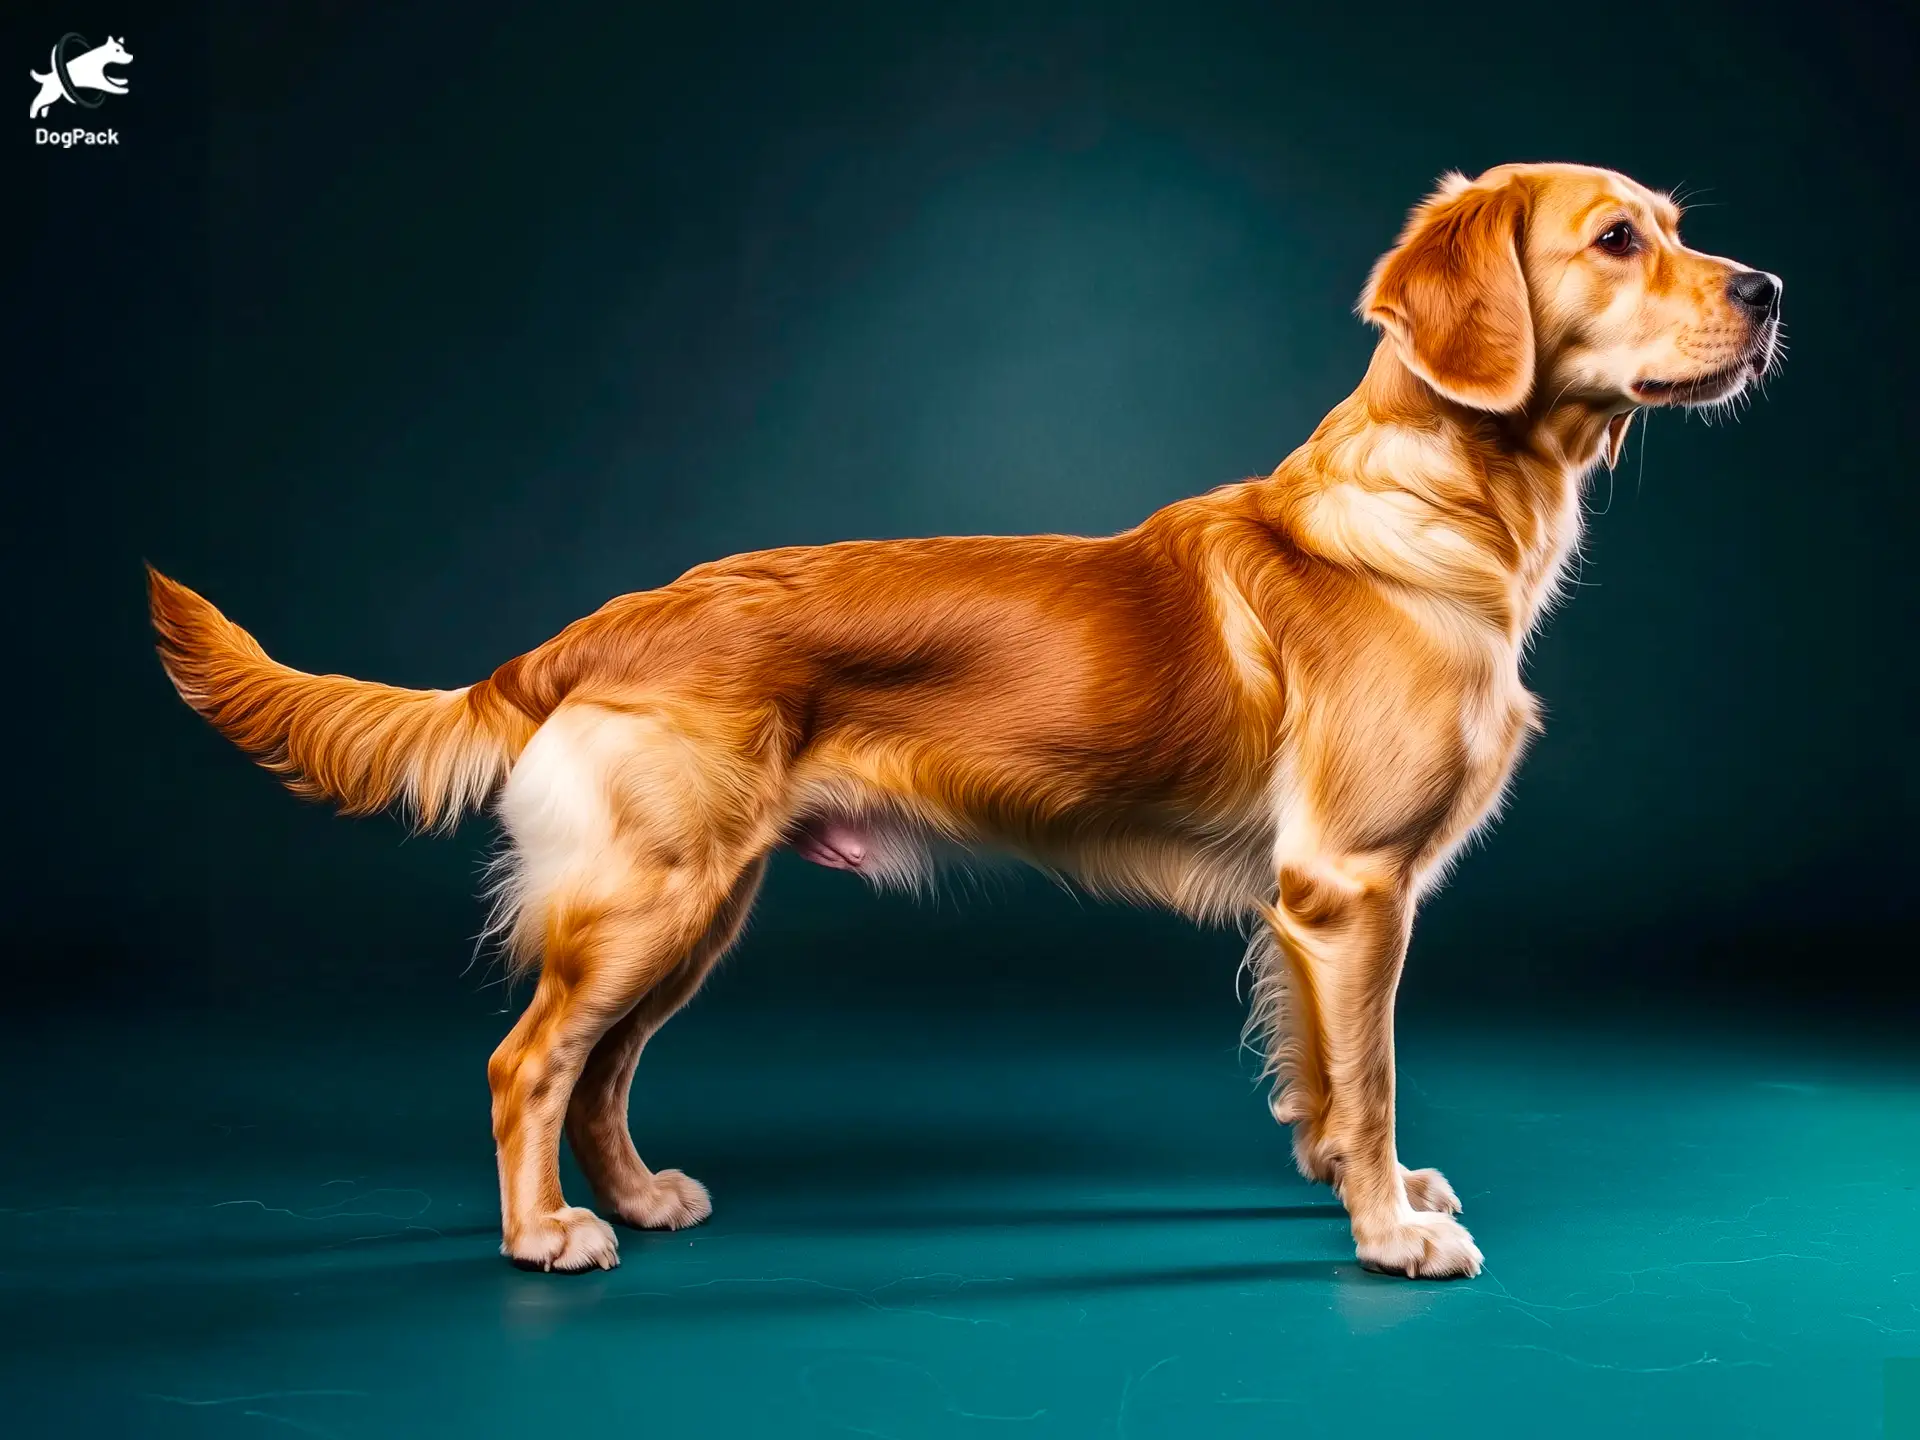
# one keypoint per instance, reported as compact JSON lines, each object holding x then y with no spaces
{"x":1288,"y":703}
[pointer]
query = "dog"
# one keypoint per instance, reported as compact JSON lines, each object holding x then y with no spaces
{"x":88,"y":71}
{"x":1288,"y":702}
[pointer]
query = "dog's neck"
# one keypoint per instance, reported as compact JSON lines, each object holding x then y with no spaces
{"x":1482,"y":510}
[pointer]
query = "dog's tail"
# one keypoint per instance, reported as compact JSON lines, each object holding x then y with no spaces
{"x":437,"y":754}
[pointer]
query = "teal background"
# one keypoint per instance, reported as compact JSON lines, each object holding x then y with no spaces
{"x":1903,"y":1397}
{"x":410,"y":332}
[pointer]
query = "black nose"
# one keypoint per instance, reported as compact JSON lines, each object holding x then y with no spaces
{"x":1755,"y":290}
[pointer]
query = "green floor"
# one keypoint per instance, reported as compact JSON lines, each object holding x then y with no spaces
{"x":232,"y":1228}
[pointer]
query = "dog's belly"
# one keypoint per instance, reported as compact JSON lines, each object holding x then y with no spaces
{"x":881,"y":846}
{"x":834,"y":841}
{"x":1216,"y":876}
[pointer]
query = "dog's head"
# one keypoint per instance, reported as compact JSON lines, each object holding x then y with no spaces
{"x":1538,"y":285}
{"x":114,"y":52}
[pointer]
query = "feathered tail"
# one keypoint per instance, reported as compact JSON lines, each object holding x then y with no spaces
{"x":437,"y":754}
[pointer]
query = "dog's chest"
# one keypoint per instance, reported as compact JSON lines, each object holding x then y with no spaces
{"x":1476,"y":667}
{"x":1495,"y":717}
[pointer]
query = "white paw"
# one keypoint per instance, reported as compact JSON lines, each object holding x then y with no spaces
{"x":671,"y":1200}
{"x":1429,"y":1190}
{"x":569,"y":1239}
{"x":1420,"y":1244}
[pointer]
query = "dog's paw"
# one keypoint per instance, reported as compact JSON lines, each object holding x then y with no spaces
{"x":569,"y":1239}
{"x":1429,"y":1190}
{"x":669,"y":1200}
{"x":1420,"y":1244}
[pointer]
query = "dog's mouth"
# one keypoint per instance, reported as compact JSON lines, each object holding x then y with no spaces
{"x":1715,"y":385}
{"x":1697,"y":389}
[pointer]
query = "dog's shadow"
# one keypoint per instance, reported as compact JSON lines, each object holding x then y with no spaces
{"x":987,"y":1217}
{"x":778,"y":1295}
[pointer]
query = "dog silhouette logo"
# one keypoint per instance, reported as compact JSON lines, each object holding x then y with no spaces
{"x":76,"y":68}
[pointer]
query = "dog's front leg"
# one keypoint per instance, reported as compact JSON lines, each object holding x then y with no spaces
{"x":1342,"y":925}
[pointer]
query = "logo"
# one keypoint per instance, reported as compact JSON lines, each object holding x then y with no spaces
{"x":77,"y":72}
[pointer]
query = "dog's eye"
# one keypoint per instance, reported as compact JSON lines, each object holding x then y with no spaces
{"x":1618,"y":239}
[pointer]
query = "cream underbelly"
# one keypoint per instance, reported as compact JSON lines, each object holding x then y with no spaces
{"x":1220,"y":876}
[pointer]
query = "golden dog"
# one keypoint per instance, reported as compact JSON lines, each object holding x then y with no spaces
{"x":1288,"y":701}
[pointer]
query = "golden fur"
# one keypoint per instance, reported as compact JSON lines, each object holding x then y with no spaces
{"x":1290,"y":701}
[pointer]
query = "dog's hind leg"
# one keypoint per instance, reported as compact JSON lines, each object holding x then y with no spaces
{"x":597,"y":1115}
{"x":629,"y":840}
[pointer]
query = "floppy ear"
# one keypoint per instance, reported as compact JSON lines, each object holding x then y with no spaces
{"x":1617,"y":437}
{"x":1453,"y":296}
